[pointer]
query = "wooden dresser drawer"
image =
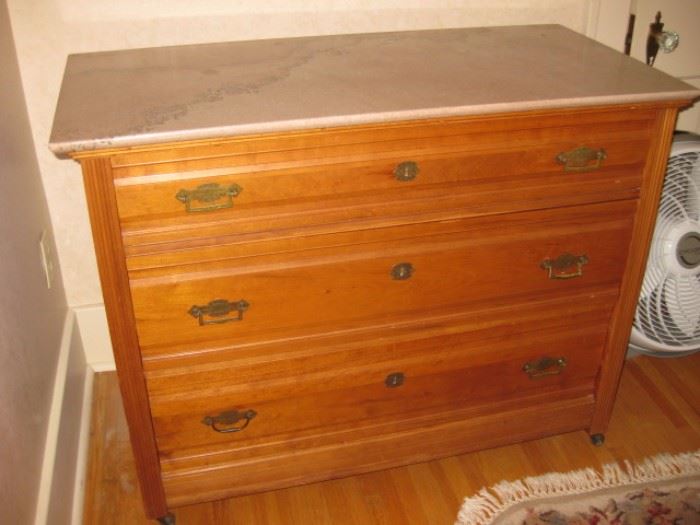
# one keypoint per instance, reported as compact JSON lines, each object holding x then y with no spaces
{"x":322,"y":289}
{"x":471,"y":169}
{"x":291,"y":395}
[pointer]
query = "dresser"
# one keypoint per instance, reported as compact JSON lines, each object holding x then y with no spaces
{"x":330,"y":255}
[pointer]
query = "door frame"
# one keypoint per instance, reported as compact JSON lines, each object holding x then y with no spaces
{"x":607,"y":21}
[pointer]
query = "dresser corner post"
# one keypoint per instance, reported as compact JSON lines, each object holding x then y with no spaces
{"x":106,"y":231}
{"x":661,"y":135}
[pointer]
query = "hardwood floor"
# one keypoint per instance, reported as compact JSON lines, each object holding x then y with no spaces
{"x":657,"y":410}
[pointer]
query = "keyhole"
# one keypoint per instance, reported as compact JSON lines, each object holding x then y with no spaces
{"x":394,"y":380}
{"x":402,"y":271}
{"x":406,"y":171}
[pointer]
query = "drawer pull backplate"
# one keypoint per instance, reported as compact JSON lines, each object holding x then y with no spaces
{"x":582,"y":159}
{"x":219,"y":309}
{"x":224,"y":421}
{"x":555,"y":268}
{"x":545,"y":366}
{"x":214,"y":197}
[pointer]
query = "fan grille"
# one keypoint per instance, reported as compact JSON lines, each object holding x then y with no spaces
{"x":668,"y":312}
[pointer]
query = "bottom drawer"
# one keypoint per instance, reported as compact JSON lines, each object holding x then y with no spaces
{"x":229,"y":473}
{"x":247,"y":402}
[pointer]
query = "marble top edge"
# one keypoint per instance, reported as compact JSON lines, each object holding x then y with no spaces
{"x":65,"y":149}
{"x":139,"y":97}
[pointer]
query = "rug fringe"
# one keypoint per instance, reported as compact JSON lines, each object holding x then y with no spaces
{"x":484,"y":506}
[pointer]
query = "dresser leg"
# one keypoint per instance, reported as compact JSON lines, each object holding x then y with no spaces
{"x":598,"y":439}
{"x":168,"y":519}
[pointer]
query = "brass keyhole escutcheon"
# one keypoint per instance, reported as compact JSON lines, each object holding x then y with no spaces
{"x":406,"y":171}
{"x":394,"y":380}
{"x":402,"y":271}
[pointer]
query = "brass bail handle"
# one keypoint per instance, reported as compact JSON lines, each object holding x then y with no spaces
{"x":224,"y":421}
{"x":581,"y":159}
{"x":555,"y":267}
{"x":218,"y":310}
{"x":212,"y":195}
{"x":545,"y":366}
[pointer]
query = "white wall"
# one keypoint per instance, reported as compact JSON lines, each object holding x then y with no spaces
{"x":47,"y":30}
{"x":31,"y":316}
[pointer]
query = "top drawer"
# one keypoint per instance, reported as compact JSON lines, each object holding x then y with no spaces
{"x":436,"y":169}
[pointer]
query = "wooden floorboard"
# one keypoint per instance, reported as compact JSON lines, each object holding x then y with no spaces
{"x":657,"y":410}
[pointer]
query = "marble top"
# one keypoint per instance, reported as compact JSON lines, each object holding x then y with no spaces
{"x":146,"y":96}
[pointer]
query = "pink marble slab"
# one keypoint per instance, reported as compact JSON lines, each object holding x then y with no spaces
{"x":146,"y":96}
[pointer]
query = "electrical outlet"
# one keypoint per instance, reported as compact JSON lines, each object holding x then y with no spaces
{"x":47,"y":261}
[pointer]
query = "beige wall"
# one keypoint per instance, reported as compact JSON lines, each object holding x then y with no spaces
{"x":31,"y":316}
{"x":682,"y":16}
{"x":47,"y":30}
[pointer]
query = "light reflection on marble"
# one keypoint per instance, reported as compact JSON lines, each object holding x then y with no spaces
{"x":145,"y":96}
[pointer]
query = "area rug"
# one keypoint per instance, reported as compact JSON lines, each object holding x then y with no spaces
{"x":662,"y":490}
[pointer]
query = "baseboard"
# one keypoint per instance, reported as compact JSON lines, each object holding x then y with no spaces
{"x":92,"y":324}
{"x":65,"y":451}
{"x":83,"y":449}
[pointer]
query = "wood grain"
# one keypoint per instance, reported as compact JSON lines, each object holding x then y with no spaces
{"x":621,"y":321}
{"x":315,"y":290}
{"x":466,"y":167}
{"x":430,"y":439}
{"x":113,"y":277}
{"x":311,"y":250}
{"x":357,"y":398}
{"x":657,"y":410}
{"x":447,"y":368}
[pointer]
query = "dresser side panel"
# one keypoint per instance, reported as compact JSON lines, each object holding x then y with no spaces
{"x":623,"y":314}
{"x":99,"y":188}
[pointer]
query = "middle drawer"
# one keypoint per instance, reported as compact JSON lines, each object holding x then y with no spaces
{"x":322,"y":289}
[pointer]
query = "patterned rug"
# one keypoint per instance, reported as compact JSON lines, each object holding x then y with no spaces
{"x":662,"y":490}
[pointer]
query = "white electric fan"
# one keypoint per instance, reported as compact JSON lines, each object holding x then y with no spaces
{"x":667,"y":321}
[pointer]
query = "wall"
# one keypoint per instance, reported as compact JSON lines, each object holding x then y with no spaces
{"x":31,"y":316}
{"x":682,"y":16}
{"x":47,"y":30}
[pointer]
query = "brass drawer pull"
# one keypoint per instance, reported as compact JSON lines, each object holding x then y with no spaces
{"x":545,"y":366}
{"x":219,"y":308}
{"x":222,"y":423}
{"x":555,"y":267}
{"x":210,"y":194}
{"x":581,"y":159}
{"x":406,"y":171}
{"x":394,"y":380}
{"x":402,"y":271}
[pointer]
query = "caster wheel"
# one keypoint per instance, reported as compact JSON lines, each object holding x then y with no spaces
{"x":168,"y":519}
{"x":598,"y":440}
